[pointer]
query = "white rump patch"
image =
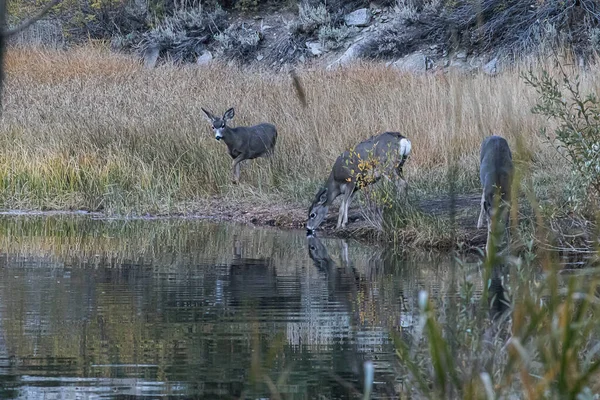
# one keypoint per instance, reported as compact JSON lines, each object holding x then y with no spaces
{"x":405,"y":147}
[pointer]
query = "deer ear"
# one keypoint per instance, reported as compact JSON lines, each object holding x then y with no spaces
{"x":209,"y":115}
{"x":229,"y":114}
{"x":323,"y":196}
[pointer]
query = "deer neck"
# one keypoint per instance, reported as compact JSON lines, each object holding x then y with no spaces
{"x":333,"y":189}
{"x":230,"y":137}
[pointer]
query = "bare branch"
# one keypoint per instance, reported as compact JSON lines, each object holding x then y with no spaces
{"x":26,"y":24}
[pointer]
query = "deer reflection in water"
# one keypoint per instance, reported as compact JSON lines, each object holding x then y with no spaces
{"x":344,"y":285}
{"x":342,"y":279}
{"x":499,"y":303}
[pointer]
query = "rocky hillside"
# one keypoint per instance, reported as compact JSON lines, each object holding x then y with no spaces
{"x":413,"y":35}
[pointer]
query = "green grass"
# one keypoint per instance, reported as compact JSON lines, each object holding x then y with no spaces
{"x":91,"y":129}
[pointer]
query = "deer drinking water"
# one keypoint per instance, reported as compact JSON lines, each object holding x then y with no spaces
{"x":495,"y":172}
{"x":365,"y":164}
{"x":243,"y":142}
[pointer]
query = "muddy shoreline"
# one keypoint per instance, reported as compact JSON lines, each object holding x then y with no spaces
{"x":467,"y":237}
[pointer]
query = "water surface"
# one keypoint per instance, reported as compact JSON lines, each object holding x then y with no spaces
{"x":104,"y":309}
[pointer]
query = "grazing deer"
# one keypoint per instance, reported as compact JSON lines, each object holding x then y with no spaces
{"x":495,"y":172}
{"x":356,"y":168}
{"x":243,"y":142}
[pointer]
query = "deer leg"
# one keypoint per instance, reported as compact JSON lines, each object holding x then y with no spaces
{"x":341,"y":213}
{"x":398,"y":182}
{"x":237,"y":171}
{"x":344,"y":254}
{"x":482,"y":213}
{"x":235,"y":168}
{"x":347,"y":206}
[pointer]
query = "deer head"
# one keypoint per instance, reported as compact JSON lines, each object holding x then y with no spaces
{"x":219,"y":124}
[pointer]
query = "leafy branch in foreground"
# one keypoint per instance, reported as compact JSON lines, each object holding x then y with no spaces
{"x":577,"y":135}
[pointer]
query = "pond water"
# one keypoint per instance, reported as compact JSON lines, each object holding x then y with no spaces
{"x":112,"y":308}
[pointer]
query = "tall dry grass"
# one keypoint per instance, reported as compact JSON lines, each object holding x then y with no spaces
{"x":92,"y":129}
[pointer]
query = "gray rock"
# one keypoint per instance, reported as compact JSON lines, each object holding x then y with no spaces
{"x":315,"y":48}
{"x":205,"y":58}
{"x":259,"y":57}
{"x":491,"y":68}
{"x":348,"y":57}
{"x":413,"y":63}
{"x":151,"y":57}
{"x":360,"y":17}
{"x":459,"y":65}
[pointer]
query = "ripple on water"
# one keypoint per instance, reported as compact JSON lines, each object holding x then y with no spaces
{"x":101,"y":309}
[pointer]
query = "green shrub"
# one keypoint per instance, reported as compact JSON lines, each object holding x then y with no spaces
{"x":311,"y":19}
{"x":238,"y":42}
{"x":333,"y":38}
{"x":184,"y":35}
{"x":392,"y":42}
{"x":577,"y":116}
{"x":102,"y":19}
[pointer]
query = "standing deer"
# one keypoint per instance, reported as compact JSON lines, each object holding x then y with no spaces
{"x":243,"y":142}
{"x":356,"y":168}
{"x":495,"y":172}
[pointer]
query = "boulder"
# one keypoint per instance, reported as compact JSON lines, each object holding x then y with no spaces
{"x":205,"y":58}
{"x":360,"y":17}
{"x":348,"y":57}
{"x":315,"y":48}
{"x":151,"y":57}
{"x":491,"y":68}
{"x":413,"y":63}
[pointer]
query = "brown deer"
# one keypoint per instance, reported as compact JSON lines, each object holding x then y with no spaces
{"x":243,"y":142}
{"x":495,"y":173}
{"x":365,"y":164}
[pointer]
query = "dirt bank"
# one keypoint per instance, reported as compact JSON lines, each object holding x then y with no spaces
{"x":293,"y":216}
{"x":289,"y":216}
